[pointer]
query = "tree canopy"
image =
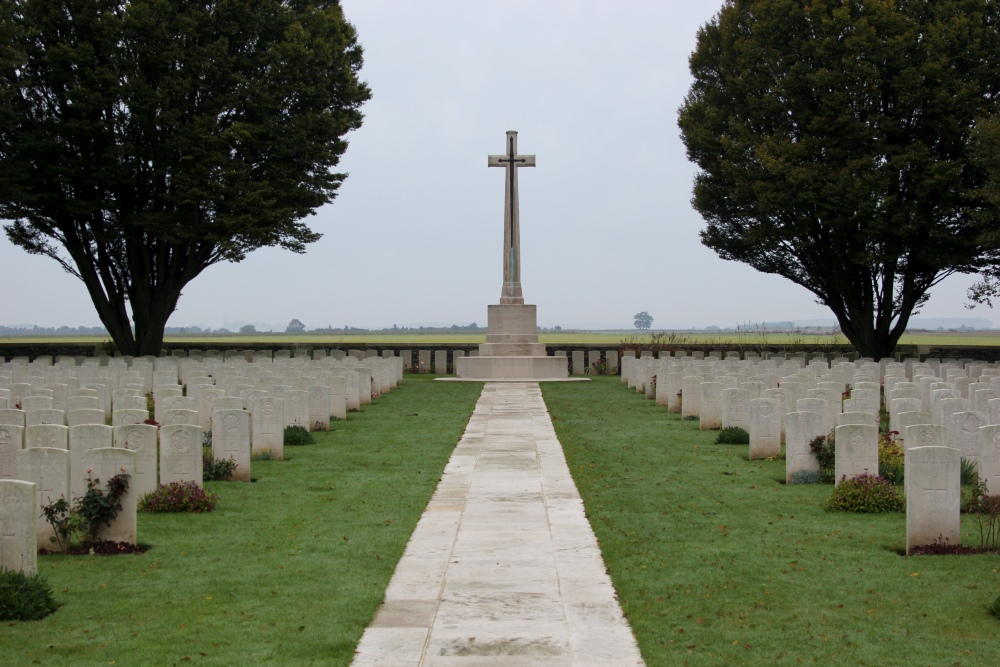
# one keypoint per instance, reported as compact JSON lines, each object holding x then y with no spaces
{"x":143,"y":141}
{"x":835,"y":145}
{"x":643,"y":320}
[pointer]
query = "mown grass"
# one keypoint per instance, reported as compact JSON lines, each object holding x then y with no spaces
{"x":288,"y":570}
{"x":716,"y":562}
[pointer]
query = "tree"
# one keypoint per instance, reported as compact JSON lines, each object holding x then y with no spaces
{"x":248,"y":329}
{"x":144,"y":141}
{"x":833,"y":140}
{"x":295,"y":326}
{"x":643,"y":320}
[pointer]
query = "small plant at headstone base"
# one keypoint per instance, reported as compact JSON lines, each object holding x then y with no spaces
{"x":88,"y":513}
{"x":298,"y":435}
{"x":994,"y":607}
{"x":986,"y":513}
{"x":823,"y":447}
{"x":179,"y":497}
{"x":23,"y":597}
{"x":150,"y":405}
{"x":599,"y":367}
{"x":206,"y":439}
{"x":970,"y":473}
{"x":262,"y":455}
{"x":865,"y":493}
{"x":691,"y":418}
{"x":216,"y":470}
{"x":890,"y":457}
{"x":732,"y":435}
{"x":804,"y":477}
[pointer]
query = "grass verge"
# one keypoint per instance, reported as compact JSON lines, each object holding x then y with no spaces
{"x":716,"y":562}
{"x":288,"y":570}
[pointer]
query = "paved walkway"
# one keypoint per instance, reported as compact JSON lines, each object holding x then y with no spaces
{"x":503,"y":568}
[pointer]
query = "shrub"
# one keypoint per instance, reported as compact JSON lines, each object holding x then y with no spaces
{"x":262,"y":455}
{"x":733,"y":435}
{"x":692,"y":418}
{"x":298,"y":435}
{"x":890,"y":457}
{"x":804,"y":477}
{"x":865,"y":493}
{"x":84,"y":518}
{"x":970,"y":474}
{"x":994,"y":607}
{"x":206,"y":439}
{"x":178,"y":497}
{"x":824,"y":449}
{"x":213,"y":469}
{"x":24,"y":598}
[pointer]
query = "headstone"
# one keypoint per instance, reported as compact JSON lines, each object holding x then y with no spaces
{"x":423,"y":361}
{"x":104,"y":463}
{"x":353,"y":400}
{"x":231,"y":439}
{"x":268,"y":431}
{"x":11,"y":442}
{"x":801,"y":428}
{"x":578,"y":365}
{"x":441,"y":362}
{"x":989,"y":457}
{"x":297,"y":409}
{"x":141,"y":439}
{"x":180,"y":454}
{"x":593,"y":361}
{"x":963,"y":427}
{"x":925,"y":435}
{"x":179,"y":417}
{"x":48,"y":468}
{"x":17,"y":417}
{"x":711,"y":406}
{"x":46,"y":435}
{"x":85,"y":416}
{"x":81,"y":440}
{"x":319,"y":408}
{"x":338,"y":396}
{"x":856,"y":451}
{"x":18,"y":532}
{"x":45,"y":416}
{"x":691,"y":395}
{"x":611,"y":357}
{"x":735,"y":408}
{"x":765,"y":428}
{"x":121,"y":417}
{"x":933,"y":496}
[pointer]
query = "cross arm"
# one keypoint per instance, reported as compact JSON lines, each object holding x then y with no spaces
{"x":504,"y":160}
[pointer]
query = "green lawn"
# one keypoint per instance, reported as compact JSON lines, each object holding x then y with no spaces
{"x":288,"y":570}
{"x":716,"y":562}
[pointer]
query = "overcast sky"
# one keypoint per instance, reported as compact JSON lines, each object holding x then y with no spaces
{"x":415,"y":236}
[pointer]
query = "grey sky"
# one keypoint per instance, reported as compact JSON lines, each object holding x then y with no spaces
{"x":415,"y":235}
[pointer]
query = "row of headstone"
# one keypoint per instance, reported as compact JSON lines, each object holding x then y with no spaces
{"x":943,"y":411}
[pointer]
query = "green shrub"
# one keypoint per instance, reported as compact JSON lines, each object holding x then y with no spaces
{"x":298,"y":435}
{"x":178,"y":497}
{"x":733,"y":435}
{"x":804,"y":477}
{"x":692,"y":418}
{"x":865,"y":493}
{"x":24,"y":598}
{"x":994,"y":607}
{"x":824,"y":449}
{"x":890,"y":457}
{"x":213,"y":469}
{"x":970,"y":474}
{"x":84,"y":517}
{"x":262,"y":455}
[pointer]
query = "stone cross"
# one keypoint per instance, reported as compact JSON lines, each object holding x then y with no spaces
{"x":511,"y":292}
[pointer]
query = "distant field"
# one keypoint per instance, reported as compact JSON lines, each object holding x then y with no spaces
{"x":942,"y":339}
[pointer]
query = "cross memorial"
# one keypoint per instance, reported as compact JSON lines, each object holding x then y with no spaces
{"x":511,"y":161}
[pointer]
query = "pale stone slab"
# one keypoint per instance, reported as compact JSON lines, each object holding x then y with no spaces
{"x":180,"y":454}
{"x":45,"y":416}
{"x":82,"y":439}
{"x":989,"y":457}
{"x":46,"y":435}
{"x":268,"y":426}
{"x":319,"y":408}
{"x":11,"y":442}
{"x":129,"y":416}
{"x":18,"y":539}
{"x":800,"y":429}
{"x":231,"y":440}
{"x":736,"y":408}
{"x":856,"y":451}
{"x":925,"y":435}
{"x":297,"y":409}
{"x":104,"y":463}
{"x":441,"y":362}
{"x":765,"y":428}
{"x":933,"y":496}
{"x":18,"y":417}
{"x":85,"y":416}
{"x":847,"y":418}
{"x":48,"y":468}
{"x":711,"y":405}
{"x":141,"y":439}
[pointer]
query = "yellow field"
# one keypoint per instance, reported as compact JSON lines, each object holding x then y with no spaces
{"x":935,"y":339}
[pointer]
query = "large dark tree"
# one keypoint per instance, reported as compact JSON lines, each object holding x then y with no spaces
{"x":833,"y":139}
{"x":142,"y":141}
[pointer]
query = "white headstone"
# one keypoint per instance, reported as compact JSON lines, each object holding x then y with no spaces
{"x":48,"y":468}
{"x":319,"y":408}
{"x":85,"y":416}
{"x":711,"y":405}
{"x":735,"y":408}
{"x":765,"y":428}
{"x":925,"y":435}
{"x":989,"y":457}
{"x":180,"y":454}
{"x":933,"y":496}
{"x":46,"y":435}
{"x":231,"y":440}
{"x":141,"y":439}
{"x":801,"y":428}
{"x":856,"y":451}
{"x":104,"y":463}
{"x":130,"y":416}
{"x":18,"y":539}
{"x":81,"y":440}
{"x":268,"y":431}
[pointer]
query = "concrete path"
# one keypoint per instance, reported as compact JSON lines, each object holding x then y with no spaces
{"x":503,"y":568}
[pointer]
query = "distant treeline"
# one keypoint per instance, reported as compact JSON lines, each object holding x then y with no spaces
{"x":33,"y":330}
